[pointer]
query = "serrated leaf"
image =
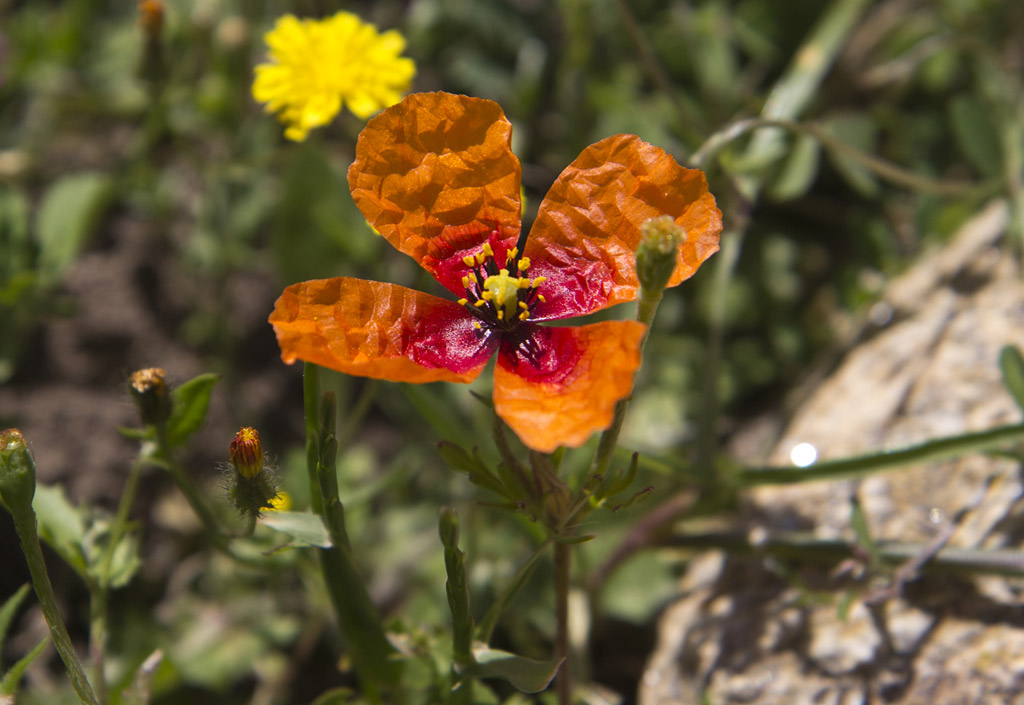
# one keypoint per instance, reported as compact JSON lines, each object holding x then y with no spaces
{"x":1012,"y":365}
{"x":11,"y":679}
{"x":305,"y":528}
{"x":68,"y":214}
{"x":189,"y":403}
{"x":61,"y":526}
{"x":527,"y":675}
{"x":7,"y":611}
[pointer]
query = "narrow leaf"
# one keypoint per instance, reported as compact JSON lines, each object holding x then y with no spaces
{"x":1012,"y":365}
{"x":189,"y":403}
{"x":525,"y":674}
{"x":141,"y":688}
{"x":7,"y":611}
{"x":10,"y":680}
{"x":305,"y":528}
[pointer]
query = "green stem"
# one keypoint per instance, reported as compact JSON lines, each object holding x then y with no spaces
{"x":356,"y":614}
{"x":26,"y":528}
{"x":882,"y":168}
{"x":939,"y":449}
{"x":99,"y":591}
{"x":563,"y":682}
{"x":805,"y":547}
{"x":311,"y":400}
{"x":646,"y":309}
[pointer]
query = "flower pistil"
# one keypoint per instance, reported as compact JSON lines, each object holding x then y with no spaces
{"x":500,"y":300}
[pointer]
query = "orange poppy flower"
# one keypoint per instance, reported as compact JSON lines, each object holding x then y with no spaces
{"x":435,"y":175}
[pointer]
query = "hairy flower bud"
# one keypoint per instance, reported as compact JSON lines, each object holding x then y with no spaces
{"x":657,"y":253}
{"x":246,"y":452}
{"x":17,"y":473}
{"x":252,"y":487}
{"x":148,"y":389}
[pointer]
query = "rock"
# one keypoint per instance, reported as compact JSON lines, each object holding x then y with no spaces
{"x":758,"y":630}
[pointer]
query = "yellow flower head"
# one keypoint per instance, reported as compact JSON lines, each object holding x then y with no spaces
{"x":320,"y":65}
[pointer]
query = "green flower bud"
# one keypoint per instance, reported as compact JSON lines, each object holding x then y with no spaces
{"x":658,"y":252}
{"x":149,"y":392}
{"x":17,"y":473}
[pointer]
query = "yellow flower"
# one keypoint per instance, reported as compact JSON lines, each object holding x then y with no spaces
{"x":282,"y":502}
{"x":320,"y":65}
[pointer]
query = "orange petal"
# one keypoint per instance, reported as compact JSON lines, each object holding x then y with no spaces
{"x":588,"y":226}
{"x":379,"y":330}
{"x":436,"y":176}
{"x":563,"y":405}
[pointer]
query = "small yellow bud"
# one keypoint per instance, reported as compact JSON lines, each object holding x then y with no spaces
{"x":247,"y":452}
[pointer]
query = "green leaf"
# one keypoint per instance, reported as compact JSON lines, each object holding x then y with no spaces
{"x":857,"y":131}
{"x":334,"y":696}
{"x":124,"y":561}
{"x":61,"y":526}
{"x":141,"y":687}
{"x":1012,"y":365}
{"x":189,"y":403}
{"x":7,"y":611}
{"x":975,"y":133}
{"x":798,"y":171}
{"x":10,"y":680}
{"x":305,"y":528}
{"x":68,"y":214}
{"x":525,"y":674}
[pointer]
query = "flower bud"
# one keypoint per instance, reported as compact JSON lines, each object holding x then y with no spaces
{"x":17,"y":473}
{"x":151,"y":17}
{"x":657,"y":254}
{"x":149,"y":392}
{"x":251,"y":486}
{"x":152,"y":65}
{"x":246,"y":452}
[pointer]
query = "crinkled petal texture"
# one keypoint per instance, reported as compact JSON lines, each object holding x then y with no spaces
{"x":567,"y":392}
{"x":320,"y":65}
{"x":588,"y":226}
{"x":380,"y":330}
{"x":436,"y":176}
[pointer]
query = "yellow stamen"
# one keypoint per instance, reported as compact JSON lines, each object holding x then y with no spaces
{"x":479,"y":303}
{"x":472,"y":277}
{"x":463,"y":302}
{"x":538,"y":281}
{"x":501,"y":313}
{"x":524,"y":264}
{"x":540,"y":297}
{"x":465,"y":282}
{"x":524,"y":315}
{"x":522,"y":305}
{"x":469,"y":260}
{"x":487,"y":249}
{"x":487,"y":295}
{"x":511,"y":254}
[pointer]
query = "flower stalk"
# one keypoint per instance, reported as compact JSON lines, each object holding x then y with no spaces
{"x":17,"y":488}
{"x":358,"y":619}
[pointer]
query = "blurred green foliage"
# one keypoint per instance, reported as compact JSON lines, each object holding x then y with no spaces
{"x":93,"y":129}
